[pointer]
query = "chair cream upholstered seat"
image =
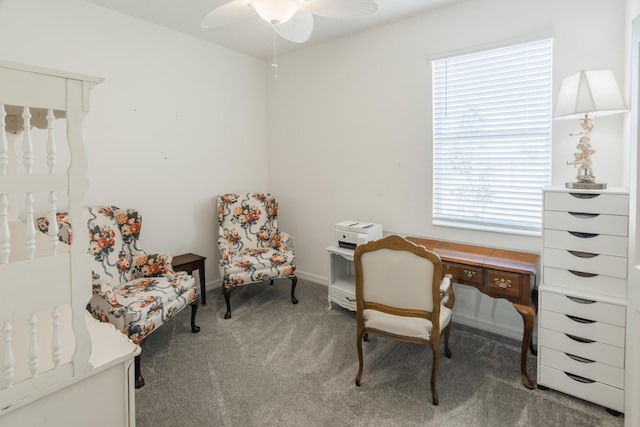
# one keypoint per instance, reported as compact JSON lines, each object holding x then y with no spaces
{"x":252,"y":248}
{"x":402,"y":325}
{"x":400,"y":294}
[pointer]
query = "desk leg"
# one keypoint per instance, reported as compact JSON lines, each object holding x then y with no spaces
{"x":529,"y":318}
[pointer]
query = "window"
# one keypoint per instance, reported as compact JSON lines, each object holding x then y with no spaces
{"x":492,"y":138}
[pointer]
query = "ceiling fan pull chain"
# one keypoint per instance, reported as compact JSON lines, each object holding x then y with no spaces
{"x":274,"y":64}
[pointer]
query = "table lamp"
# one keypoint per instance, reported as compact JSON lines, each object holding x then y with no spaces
{"x":586,"y":95}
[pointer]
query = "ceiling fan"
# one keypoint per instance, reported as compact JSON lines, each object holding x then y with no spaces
{"x":290,"y":19}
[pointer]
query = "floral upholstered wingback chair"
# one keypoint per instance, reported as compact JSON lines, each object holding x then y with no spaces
{"x":134,"y":291}
{"x":252,"y":248}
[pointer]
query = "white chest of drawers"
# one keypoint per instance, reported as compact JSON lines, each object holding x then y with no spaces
{"x":582,"y":298}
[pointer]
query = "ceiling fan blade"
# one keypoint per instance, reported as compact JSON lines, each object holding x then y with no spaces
{"x":228,"y":13}
{"x":298,"y":29}
{"x":339,"y":8}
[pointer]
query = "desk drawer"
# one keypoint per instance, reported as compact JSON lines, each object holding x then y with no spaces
{"x":586,"y":282}
{"x":587,"y":309}
{"x":586,"y":262}
{"x":615,"y":204}
{"x":596,"y":392}
{"x":583,"y":367}
{"x":615,"y":225}
{"x":586,"y":242}
{"x":503,"y":284}
{"x":597,"y":351}
{"x":466,"y":274}
{"x":583,"y":328}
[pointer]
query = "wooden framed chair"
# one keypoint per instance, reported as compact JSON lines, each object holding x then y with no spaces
{"x":400,"y":294}
{"x":252,"y":248}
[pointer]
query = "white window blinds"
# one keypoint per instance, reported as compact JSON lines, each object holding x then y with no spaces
{"x":492,"y":138}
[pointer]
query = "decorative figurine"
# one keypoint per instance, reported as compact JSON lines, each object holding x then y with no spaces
{"x":582,"y":159}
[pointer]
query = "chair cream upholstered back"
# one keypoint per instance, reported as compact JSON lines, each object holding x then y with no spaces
{"x":384,"y":268}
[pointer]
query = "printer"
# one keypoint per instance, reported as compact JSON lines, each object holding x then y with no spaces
{"x":350,"y":234}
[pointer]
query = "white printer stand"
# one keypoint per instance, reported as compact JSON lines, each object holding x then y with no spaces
{"x":342,"y":278}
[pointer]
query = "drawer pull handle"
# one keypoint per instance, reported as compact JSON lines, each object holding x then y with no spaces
{"x":350,"y":299}
{"x":583,"y":235}
{"x":580,"y":319}
{"x":579,"y":378}
{"x":580,"y":359}
{"x":502,"y":283}
{"x":585,"y":195}
{"x":583,"y":215}
{"x":582,"y":254}
{"x":470,"y":273}
{"x":580,"y":300}
{"x":582,"y":273}
{"x":582,"y":340}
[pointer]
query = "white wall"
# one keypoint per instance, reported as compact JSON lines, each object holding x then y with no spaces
{"x":176,"y":121}
{"x":632,"y":371}
{"x":350,"y":124}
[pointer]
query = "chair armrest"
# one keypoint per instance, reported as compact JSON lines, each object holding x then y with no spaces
{"x":106,"y":291}
{"x":225,"y":250}
{"x":280,"y":239}
{"x":445,"y":286}
{"x":103,"y":288}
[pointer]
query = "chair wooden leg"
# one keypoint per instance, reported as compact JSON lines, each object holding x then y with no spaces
{"x":434,"y":373}
{"x":360,"y":358}
{"x":294,"y":282}
{"x":447,"y":352}
{"x":227,"y":293}
{"x":194,"y":309}
{"x":139,"y":381}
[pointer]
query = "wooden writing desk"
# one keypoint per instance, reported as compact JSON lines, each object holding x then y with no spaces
{"x":494,"y":272}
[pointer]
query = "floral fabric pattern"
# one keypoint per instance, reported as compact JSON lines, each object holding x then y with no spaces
{"x":251,"y":246}
{"x":64,"y":226}
{"x":135,"y":291}
{"x":152,"y":265}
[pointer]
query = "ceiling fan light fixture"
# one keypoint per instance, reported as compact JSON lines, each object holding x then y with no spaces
{"x":276,"y":11}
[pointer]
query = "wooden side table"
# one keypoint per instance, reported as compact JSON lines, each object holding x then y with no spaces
{"x":189,"y":262}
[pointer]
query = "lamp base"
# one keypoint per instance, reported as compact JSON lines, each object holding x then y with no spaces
{"x":586,"y":185}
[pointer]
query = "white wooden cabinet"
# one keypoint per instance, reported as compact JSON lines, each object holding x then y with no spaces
{"x":342,"y":277}
{"x":582,"y":296}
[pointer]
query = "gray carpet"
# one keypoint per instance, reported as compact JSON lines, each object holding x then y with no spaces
{"x":278,"y":364}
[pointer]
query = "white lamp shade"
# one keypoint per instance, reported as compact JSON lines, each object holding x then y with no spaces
{"x":276,"y":11}
{"x":593,"y":92}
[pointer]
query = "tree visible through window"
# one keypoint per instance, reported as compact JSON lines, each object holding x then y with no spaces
{"x":492,"y":138}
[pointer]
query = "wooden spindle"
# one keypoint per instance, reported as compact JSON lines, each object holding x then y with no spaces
{"x":53,"y":223}
{"x":56,"y":343}
{"x":5,"y":233}
{"x":34,"y":351}
{"x":51,"y":142}
{"x":30,"y":227}
{"x":4,"y":145}
{"x":27,"y":143}
{"x":9,"y":369}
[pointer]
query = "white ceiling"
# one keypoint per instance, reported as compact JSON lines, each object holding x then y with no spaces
{"x":254,"y":36}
